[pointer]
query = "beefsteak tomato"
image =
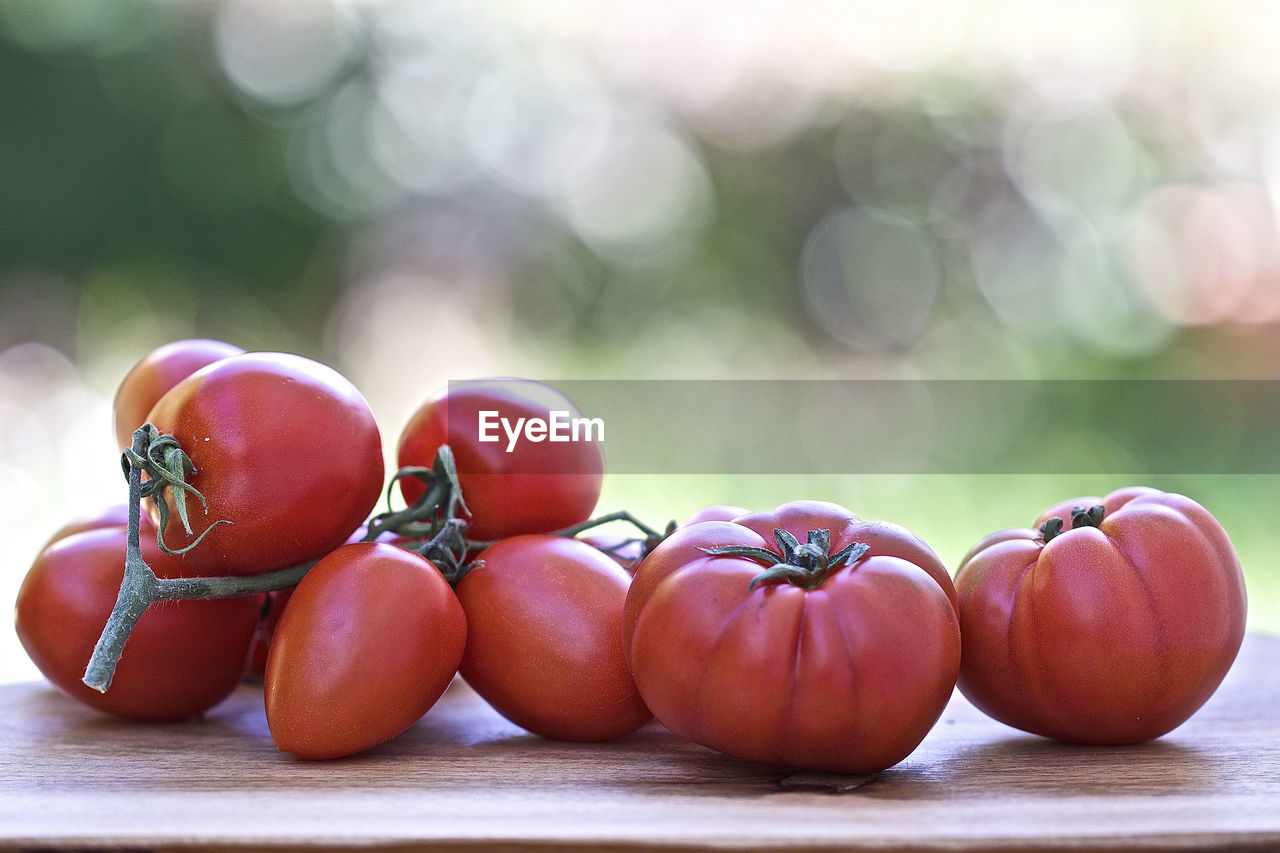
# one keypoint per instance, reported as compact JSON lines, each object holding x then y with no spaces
{"x":803,"y":637}
{"x":1111,"y":623}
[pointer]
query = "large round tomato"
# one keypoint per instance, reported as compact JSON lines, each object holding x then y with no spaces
{"x":840,"y":658}
{"x":284,"y":448}
{"x":1114,"y":630}
{"x":544,"y":646}
{"x":370,"y":639}
{"x":160,"y":370}
{"x":181,"y":659}
{"x":511,"y":486}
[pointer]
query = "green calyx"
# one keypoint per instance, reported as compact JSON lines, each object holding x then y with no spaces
{"x":167,"y":467}
{"x":804,"y":564}
{"x":1080,"y":517}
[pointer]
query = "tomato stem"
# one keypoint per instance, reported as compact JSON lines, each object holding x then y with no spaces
{"x":1050,"y":529}
{"x":447,"y":550}
{"x":805,"y":564}
{"x":1091,"y":517}
{"x":427,"y":516}
{"x":648,"y":541}
{"x":1080,"y":517}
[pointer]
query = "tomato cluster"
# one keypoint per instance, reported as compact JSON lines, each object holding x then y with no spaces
{"x":803,"y":636}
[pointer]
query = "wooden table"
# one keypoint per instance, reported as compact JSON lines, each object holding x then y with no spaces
{"x":464,"y":778}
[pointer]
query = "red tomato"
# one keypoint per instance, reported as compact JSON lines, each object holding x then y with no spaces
{"x":1114,"y":631}
{"x":159,"y":371}
{"x":536,"y":487}
{"x":284,"y":448}
{"x":370,"y":639}
{"x":181,"y":659}
{"x":544,"y":648}
{"x":844,"y":671}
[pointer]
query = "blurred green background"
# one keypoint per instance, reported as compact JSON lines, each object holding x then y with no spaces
{"x":422,"y":191}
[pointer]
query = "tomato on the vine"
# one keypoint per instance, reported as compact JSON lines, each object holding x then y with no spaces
{"x":284,"y":448}
{"x":1111,"y":623}
{"x":511,"y":486}
{"x":156,"y":373}
{"x":368,"y":642}
{"x":802,"y":637}
{"x":182,"y":658}
{"x":544,"y":645}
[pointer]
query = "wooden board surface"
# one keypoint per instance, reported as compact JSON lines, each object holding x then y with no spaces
{"x":464,"y":778}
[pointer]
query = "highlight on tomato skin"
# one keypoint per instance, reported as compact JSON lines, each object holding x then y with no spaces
{"x":1112,"y":622}
{"x":831,"y":653}
{"x":183,"y":658}
{"x":368,"y":642}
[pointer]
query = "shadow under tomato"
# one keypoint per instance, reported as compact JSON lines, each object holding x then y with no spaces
{"x":1030,"y":765}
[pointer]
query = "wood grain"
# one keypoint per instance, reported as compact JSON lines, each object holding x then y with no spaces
{"x":465,"y":779}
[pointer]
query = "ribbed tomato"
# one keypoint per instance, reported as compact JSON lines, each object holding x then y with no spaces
{"x":802,"y":637}
{"x":1111,"y":623}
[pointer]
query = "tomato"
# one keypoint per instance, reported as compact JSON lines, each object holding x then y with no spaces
{"x":844,"y":669}
{"x":536,"y":487}
{"x":155,"y":374}
{"x":370,"y":639}
{"x":1115,"y":630}
{"x":284,"y":448}
{"x":544,"y":647}
{"x":181,"y":659}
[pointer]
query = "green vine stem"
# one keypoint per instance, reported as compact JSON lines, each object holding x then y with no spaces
{"x":447,"y":550}
{"x":649,"y":533}
{"x":804,"y":564}
{"x":426,"y":517}
{"x":167,"y":467}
